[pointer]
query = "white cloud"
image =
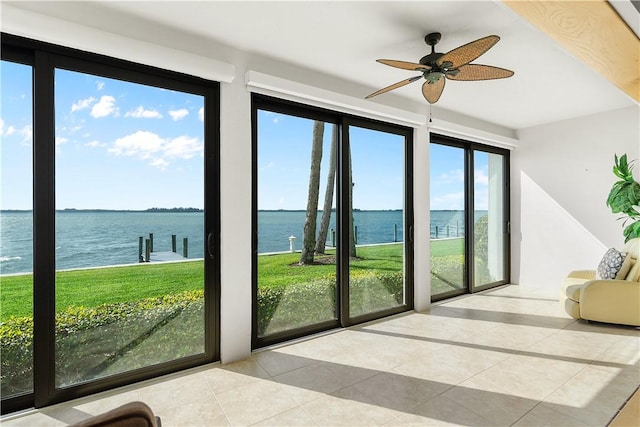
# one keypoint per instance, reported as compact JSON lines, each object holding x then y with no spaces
{"x":480,"y":177}
{"x":448,"y":201}
{"x":105,"y":107}
{"x":95,"y":144}
{"x":201,"y":114}
{"x":141,"y":113}
{"x":60,"y":140}
{"x":269,"y":165}
{"x":183,"y":147}
{"x":99,"y":85}
{"x":159,"y":163}
{"x":455,"y":175}
{"x":276,"y":117}
{"x":27,"y":133}
{"x":82,"y":104}
{"x":141,"y":144}
{"x":179,"y":114}
{"x":150,"y":146}
{"x":10,"y":130}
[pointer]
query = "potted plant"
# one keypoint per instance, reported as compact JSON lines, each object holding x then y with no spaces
{"x":624,"y":197}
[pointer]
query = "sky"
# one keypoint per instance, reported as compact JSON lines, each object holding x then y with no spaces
{"x":447,"y":178}
{"x":284,"y":160}
{"x":122,"y":145}
{"x":119,"y":145}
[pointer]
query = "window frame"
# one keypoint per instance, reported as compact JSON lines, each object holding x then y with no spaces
{"x":469,"y":148}
{"x":44,"y":59}
{"x":343,"y":122}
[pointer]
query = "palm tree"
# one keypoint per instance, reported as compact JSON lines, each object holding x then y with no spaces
{"x":309,"y":232}
{"x":352,"y":237}
{"x":328,"y":195}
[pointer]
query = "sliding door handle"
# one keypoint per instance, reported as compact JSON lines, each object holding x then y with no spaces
{"x":209,"y":243}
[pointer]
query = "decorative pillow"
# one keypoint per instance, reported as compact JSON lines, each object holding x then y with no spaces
{"x":611,"y":264}
{"x":626,"y":267}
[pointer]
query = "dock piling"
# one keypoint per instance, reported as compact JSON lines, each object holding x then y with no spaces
{"x":148,"y":250}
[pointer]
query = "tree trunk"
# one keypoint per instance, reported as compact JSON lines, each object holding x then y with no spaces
{"x":309,"y":233}
{"x":352,"y":240}
{"x":328,"y":195}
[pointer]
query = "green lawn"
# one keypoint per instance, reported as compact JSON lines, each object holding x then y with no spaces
{"x":93,"y":287}
{"x":447,"y":265}
{"x":447,"y":247}
{"x":115,"y":319}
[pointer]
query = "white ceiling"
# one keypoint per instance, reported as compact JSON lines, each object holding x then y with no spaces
{"x":344,"y":38}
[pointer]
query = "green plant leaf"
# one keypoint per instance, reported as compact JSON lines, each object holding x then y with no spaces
{"x":624,"y":197}
{"x":632,"y":231}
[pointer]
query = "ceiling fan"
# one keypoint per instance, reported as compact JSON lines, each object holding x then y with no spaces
{"x":454,"y":65}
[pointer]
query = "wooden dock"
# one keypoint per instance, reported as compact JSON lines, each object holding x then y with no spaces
{"x":147,"y":254}
{"x":166,"y":257}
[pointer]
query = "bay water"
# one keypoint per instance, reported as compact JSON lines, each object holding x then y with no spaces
{"x":101,"y":238}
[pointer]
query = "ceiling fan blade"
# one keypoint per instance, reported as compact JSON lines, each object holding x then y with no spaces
{"x":432,"y":91}
{"x":480,"y":72}
{"x":394,"y":86}
{"x":466,"y":53}
{"x":404,"y":65}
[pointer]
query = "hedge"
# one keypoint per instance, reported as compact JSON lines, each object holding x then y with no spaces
{"x":93,"y":342}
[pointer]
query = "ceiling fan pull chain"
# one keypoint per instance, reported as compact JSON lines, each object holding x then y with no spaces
{"x":430,"y":121}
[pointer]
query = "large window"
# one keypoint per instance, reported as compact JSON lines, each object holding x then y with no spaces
{"x":295,"y":293}
{"x":16,"y":230}
{"x":139,"y":151}
{"x":125,"y":232}
{"x":376,"y":205}
{"x":469,"y":216}
{"x":332,"y":212}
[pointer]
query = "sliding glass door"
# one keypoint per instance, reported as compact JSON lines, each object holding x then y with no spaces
{"x":469,"y":216}
{"x":447,"y":166}
{"x":129,"y":226}
{"x":16,"y":230}
{"x":490,"y":225}
{"x":296,"y":266}
{"x":332,"y":212}
{"x":109,"y":223}
{"x":376,"y":212}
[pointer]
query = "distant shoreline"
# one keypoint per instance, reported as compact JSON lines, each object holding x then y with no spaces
{"x":152,"y":210}
{"x":181,"y":210}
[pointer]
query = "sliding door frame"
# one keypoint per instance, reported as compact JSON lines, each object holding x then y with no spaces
{"x":469,"y":148}
{"x":45,"y":58}
{"x":343,"y":205}
{"x":342,"y":121}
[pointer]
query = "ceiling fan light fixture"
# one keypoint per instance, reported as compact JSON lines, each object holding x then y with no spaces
{"x":433,"y":76}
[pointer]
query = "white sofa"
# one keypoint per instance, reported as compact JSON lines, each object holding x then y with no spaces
{"x":606,"y":300}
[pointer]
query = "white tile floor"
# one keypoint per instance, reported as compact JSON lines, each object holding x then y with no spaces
{"x":491,"y":359}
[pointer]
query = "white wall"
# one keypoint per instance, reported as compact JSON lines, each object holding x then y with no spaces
{"x":560,"y":178}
